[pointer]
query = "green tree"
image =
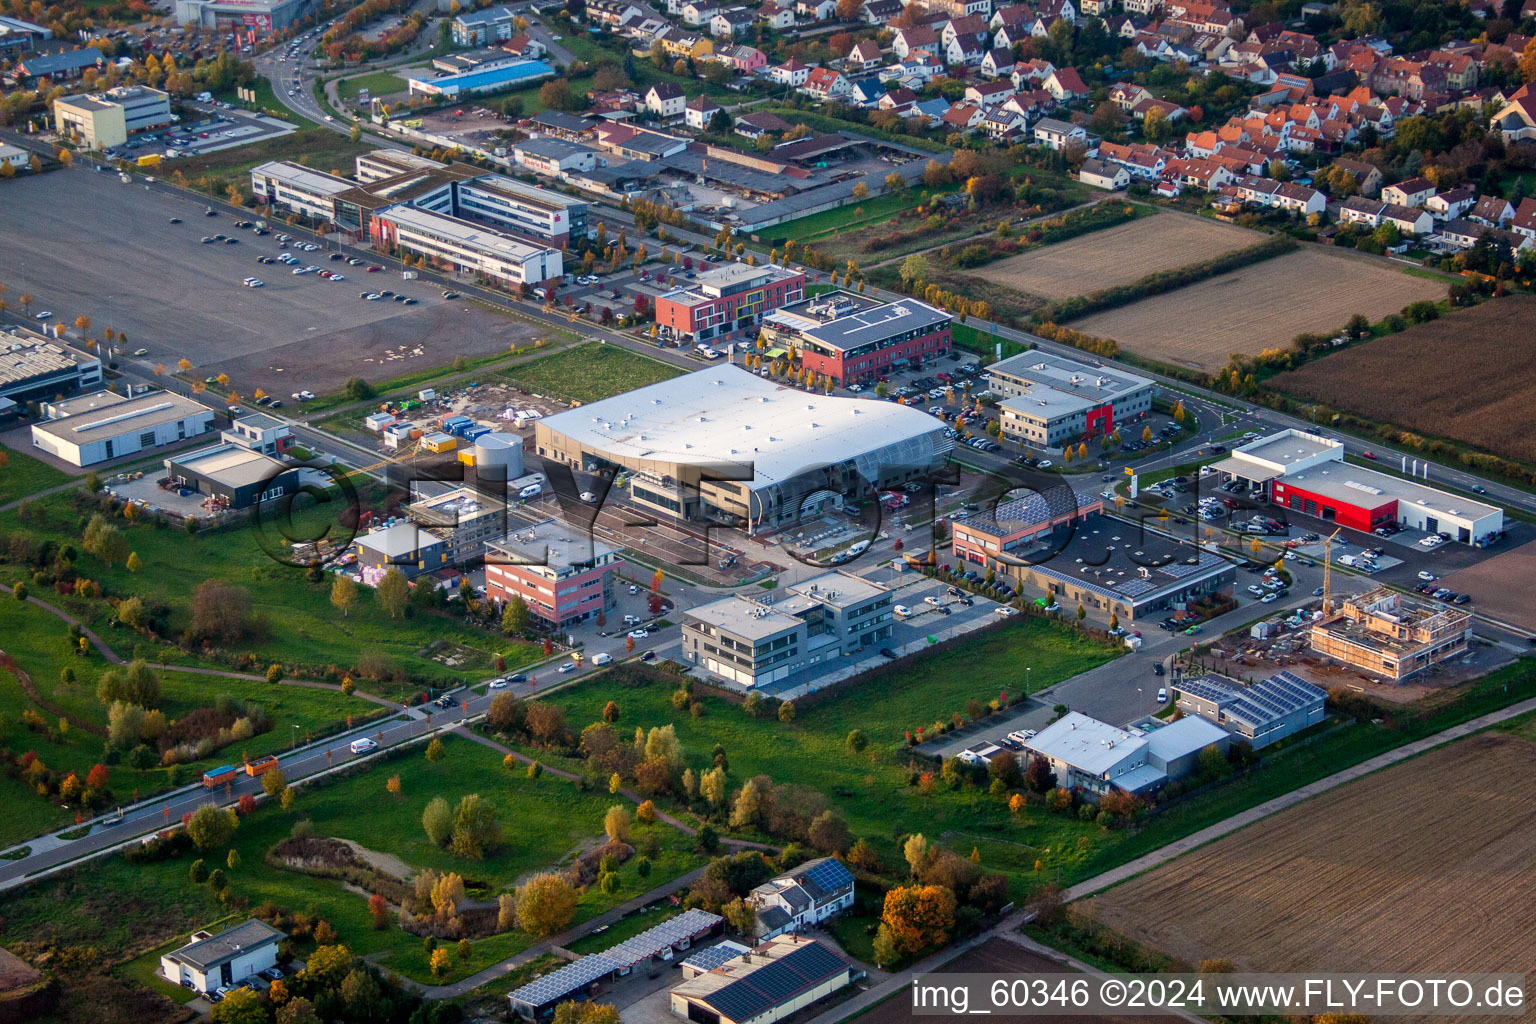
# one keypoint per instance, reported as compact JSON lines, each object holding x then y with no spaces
{"x":242,"y":1006}
{"x":914,"y":268}
{"x":394,"y":592}
{"x":211,"y":826}
{"x":857,"y":741}
{"x":437,"y":821}
{"x":435,"y":751}
{"x":514,"y":616}
{"x":476,"y":830}
{"x":298,"y":1010}
{"x":545,"y":904}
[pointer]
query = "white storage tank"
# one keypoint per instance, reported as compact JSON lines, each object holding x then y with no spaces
{"x":504,"y":452}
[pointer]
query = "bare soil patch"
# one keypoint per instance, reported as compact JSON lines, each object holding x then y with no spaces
{"x":1423,"y":867}
{"x":1401,"y":378}
{"x":1259,"y":307}
{"x":1119,"y":255}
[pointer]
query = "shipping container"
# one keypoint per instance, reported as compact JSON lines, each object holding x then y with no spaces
{"x":218,"y":776}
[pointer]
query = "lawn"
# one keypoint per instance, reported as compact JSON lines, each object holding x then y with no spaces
{"x":21,"y":475}
{"x":871,"y":788}
{"x":294,"y":622}
{"x":846,"y":218}
{"x":127,"y":911}
{"x":266,"y":100}
{"x":379,"y":83}
{"x":312,"y":146}
{"x":970,"y":339}
{"x":40,"y":643}
{"x":589,"y":372}
{"x":624,"y":929}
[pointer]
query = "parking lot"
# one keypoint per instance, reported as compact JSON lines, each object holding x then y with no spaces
{"x":85,"y":242}
{"x":220,"y":127}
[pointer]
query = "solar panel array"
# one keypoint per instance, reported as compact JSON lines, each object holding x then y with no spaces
{"x":577,"y":975}
{"x":571,"y":978}
{"x":1265,"y":701}
{"x":714,"y":956}
{"x":653,"y":941}
{"x":828,"y":875}
{"x":776,"y":982}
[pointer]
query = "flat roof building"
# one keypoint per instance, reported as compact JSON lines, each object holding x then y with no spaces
{"x":94,"y":428}
{"x":1388,"y":635}
{"x":474,"y":83}
{"x":990,"y":537}
{"x":387,"y":180}
{"x":851,"y":337}
{"x":33,"y":367}
{"x":728,"y":445}
{"x":464,"y":246}
{"x":1307,"y":473}
{"x":465,"y":517}
{"x":752,"y":643}
{"x":1049,"y":400}
{"x":1095,"y":757}
{"x":564,"y":576}
{"x":232,"y":475}
{"x":406,"y":546}
{"x":1268,"y":710}
{"x":106,"y":119}
{"x":727,"y":299}
{"x":210,"y":962}
{"x":482,"y":28}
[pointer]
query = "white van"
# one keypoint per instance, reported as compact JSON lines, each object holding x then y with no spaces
{"x":531,"y":491}
{"x":602,"y":659}
{"x":363,"y":745}
{"x":1162,"y":695}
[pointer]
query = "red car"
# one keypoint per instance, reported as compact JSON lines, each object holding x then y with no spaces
{"x":1367,"y":455}
{"x":375,"y":269}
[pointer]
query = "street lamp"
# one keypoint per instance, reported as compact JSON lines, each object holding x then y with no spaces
{"x":1027,"y":670}
{"x":293,"y":740}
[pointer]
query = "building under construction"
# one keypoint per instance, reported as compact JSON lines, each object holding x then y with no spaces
{"x":1387,"y":635}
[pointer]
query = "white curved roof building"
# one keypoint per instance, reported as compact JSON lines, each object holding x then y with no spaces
{"x":722,"y":443}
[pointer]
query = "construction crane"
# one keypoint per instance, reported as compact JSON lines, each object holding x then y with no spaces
{"x":1328,"y":573}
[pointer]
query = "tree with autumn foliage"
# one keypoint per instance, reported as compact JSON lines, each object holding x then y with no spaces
{"x":918,"y":917}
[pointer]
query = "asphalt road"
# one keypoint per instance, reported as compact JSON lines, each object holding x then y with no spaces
{"x":152,"y":815}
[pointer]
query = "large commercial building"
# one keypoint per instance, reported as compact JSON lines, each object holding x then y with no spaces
{"x":106,"y":119}
{"x":33,"y":368}
{"x":562,"y":575}
{"x":727,"y":299}
{"x":1063,"y":547}
{"x":477,"y":83}
{"x":1388,"y":635}
{"x":263,"y":16}
{"x":1307,"y":473}
{"x":1049,"y":400}
{"x":724,"y":444}
{"x":94,"y":428}
{"x":752,"y":643}
{"x":479,"y":211}
{"x":851,"y":337}
{"x":463,"y":246}
{"x":1269,"y":710}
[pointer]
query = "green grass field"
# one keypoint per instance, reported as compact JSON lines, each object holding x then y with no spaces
{"x":39,"y":641}
{"x":589,"y":372}
{"x":295,"y":621}
{"x":379,"y":83}
{"x":21,"y":475}
{"x":870,"y":788}
{"x":128,"y":911}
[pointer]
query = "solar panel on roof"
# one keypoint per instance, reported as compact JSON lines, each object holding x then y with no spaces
{"x":573,"y":977}
{"x":829,"y":875}
{"x":776,"y":982}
